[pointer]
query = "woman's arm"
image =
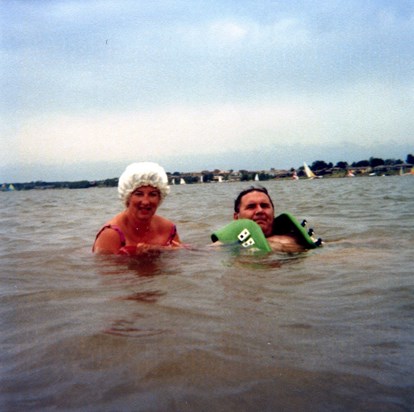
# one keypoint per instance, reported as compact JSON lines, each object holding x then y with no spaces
{"x":108,"y":242}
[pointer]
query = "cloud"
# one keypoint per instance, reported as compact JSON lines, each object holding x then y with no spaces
{"x":227,"y":31}
{"x":187,"y":130}
{"x":364,"y":114}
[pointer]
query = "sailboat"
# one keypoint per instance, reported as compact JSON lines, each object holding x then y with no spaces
{"x":9,"y":188}
{"x":309,"y":172}
{"x":256,"y":178}
{"x":182,"y":181}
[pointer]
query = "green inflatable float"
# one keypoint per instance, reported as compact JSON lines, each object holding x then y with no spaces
{"x":249,"y":235}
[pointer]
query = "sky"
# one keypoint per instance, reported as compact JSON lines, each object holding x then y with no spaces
{"x":88,"y":87}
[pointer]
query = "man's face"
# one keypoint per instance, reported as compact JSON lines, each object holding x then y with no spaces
{"x":256,"y":206}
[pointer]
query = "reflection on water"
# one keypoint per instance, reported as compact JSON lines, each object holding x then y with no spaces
{"x":123,"y":327}
{"x":207,"y":328}
{"x":148,"y":297}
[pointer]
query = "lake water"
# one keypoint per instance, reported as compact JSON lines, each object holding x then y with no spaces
{"x":209,"y":330}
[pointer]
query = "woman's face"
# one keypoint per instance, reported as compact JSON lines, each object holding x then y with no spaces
{"x":144,"y":202}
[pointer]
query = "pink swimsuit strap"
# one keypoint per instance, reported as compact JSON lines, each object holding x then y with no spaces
{"x":172,"y":235}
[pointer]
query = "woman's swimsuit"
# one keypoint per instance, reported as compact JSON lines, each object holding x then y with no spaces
{"x":127,"y":250}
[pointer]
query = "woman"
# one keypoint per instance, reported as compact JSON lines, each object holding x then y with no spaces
{"x":142,"y":187}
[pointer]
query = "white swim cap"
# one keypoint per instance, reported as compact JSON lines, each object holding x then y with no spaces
{"x":142,"y":174}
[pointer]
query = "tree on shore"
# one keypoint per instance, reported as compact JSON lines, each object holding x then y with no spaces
{"x":374,"y":162}
{"x":342,"y":165}
{"x":321,"y":165}
{"x":361,"y":163}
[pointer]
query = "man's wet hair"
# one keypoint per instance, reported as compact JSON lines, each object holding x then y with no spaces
{"x":250,"y":189}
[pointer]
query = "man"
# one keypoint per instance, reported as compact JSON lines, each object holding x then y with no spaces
{"x":255,"y":204}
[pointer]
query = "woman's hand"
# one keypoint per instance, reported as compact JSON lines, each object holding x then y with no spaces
{"x":146,"y":249}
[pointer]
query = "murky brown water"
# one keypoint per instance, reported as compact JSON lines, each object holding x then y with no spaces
{"x":207,"y":330}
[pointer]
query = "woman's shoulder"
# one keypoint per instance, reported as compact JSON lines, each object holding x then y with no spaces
{"x":163,"y":222}
{"x":168,"y":228}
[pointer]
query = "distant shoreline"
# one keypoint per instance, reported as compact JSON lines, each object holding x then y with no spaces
{"x":218,"y":176}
